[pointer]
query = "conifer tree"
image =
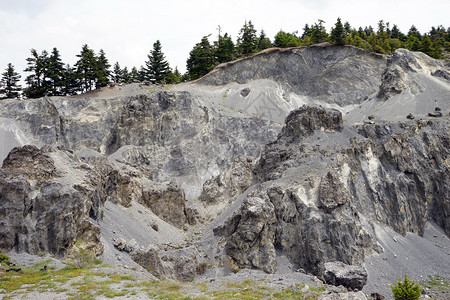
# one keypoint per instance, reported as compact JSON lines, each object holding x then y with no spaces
{"x":337,"y":35}
{"x":318,"y":32}
{"x":285,"y":40}
{"x":263,"y":41}
{"x":117,"y":74}
{"x":37,"y":82}
{"x":157,"y":68}
{"x":8,"y":82}
{"x":102,"y":72}
{"x":134,"y":75}
{"x":224,"y":49}
{"x":55,"y":73}
{"x":86,"y":69}
{"x":247,"y":41}
{"x":397,"y":34}
{"x":201,"y":59}
{"x":71,"y":83}
{"x":126,"y":78}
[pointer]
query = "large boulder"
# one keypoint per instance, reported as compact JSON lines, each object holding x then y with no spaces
{"x":351,"y":277}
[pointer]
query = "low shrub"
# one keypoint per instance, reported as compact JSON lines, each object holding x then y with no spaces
{"x":406,"y":290}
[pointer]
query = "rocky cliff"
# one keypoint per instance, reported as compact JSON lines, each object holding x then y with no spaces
{"x":305,"y":153}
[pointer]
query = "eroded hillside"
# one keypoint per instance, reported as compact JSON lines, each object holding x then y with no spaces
{"x":302,"y":153}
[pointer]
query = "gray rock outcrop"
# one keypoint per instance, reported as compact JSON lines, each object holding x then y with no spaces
{"x":302,"y":153}
{"x":324,"y":183}
{"x":351,"y":277}
{"x":44,"y":208}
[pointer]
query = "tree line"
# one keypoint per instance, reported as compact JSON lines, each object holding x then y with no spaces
{"x":50,"y":76}
{"x":385,"y":40}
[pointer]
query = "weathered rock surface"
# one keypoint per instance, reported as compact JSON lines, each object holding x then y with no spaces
{"x":232,"y":170}
{"x":351,"y":277}
{"x":341,"y":75}
{"x":325,"y":185}
{"x":43,"y":208}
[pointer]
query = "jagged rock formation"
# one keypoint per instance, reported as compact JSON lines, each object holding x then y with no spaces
{"x":47,"y":206}
{"x":324,"y":186}
{"x":265,"y":156}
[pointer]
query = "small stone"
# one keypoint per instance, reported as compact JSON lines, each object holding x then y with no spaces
{"x":410,"y":116}
{"x":435,"y":114}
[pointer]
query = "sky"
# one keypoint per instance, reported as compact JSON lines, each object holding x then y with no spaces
{"x":127,"y":29}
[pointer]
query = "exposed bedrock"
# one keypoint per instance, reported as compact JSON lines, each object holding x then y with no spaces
{"x":44,"y":207}
{"x":336,"y":74}
{"x":323,"y":185}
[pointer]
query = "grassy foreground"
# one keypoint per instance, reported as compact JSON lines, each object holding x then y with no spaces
{"x":97,"y":282}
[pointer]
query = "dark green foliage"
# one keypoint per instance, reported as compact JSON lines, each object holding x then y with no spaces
{"x":71,"y":85}
{"x":247,"y":43}
{"x":102,"y":70}
{"x":406,"y":290}
{"x":201,"y":59}
{"x":263,"y":41}
{"x":318,"y":34}
{"x":157,"y":68}
{"x":414,"y":32}
{"x":338,"y":34}
{"x":55,"y":74}
{"x":224,"y":49}
{"x":37,"y":64}
{"x":285,"y":40}
{"x":86,"y":69}
{"x":397,"y":34}
{"x":4,"y":258}
{"x":134,"y":75}
{"x":8,"y":84}
{"x":117,"y":74}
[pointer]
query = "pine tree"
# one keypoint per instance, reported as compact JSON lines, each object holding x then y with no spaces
{"x":102,"y":71}
{"x":414,"y":32}
{"x":224,"y":49}
{"x":157,"y":68}
{"x":8,"y":82}
{"x":37,"y":82}
{"x":318,"y":33}
{"x":397,"y":34}
{"x":86,"y":69}
{"x":55,"y":73}
{"x":201,"y":59}
{"x":247,"y":41}
{"x":117,"y":74}
{"x":285,"y":40}
{"x":337,"y":35}
{"x":263,"y":41}
{"x":126,"y":78}
{"x":281,"y":39}
{"x":71,"y":84}
{"x":134,"y":75}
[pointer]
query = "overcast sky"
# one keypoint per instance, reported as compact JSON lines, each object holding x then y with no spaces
{"x":127,"y":29}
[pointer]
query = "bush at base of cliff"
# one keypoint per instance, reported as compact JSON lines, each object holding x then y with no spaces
{"x":81,"y":256}
{"x":406,"y":290}
{"x":3,"y":257}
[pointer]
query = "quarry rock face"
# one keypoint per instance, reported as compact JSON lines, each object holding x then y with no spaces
{"x":268,"y":156}
{"x":321,"y":191}
{"x":43,"y":209}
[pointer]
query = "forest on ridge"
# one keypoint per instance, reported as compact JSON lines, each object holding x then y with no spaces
{"x":48,"y":75}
